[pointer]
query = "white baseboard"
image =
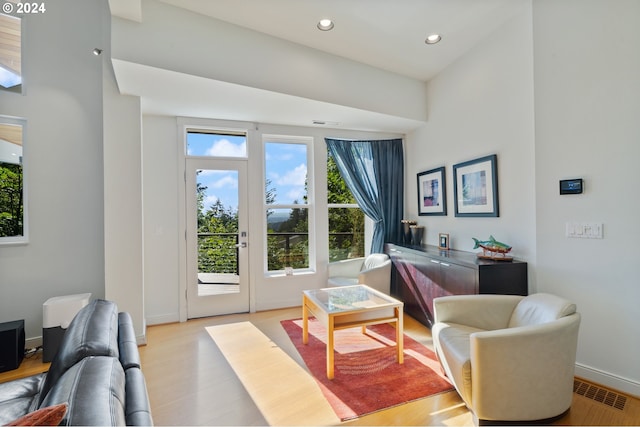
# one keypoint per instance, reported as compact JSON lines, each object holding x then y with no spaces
{"x":141,"y":339}
{"x":616,"y":382}
{"x":33,"y":342}
{"x":163,"y":318}
{"x":280,"y":304}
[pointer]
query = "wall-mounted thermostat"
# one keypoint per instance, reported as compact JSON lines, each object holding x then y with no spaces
{"x":571,"y":186}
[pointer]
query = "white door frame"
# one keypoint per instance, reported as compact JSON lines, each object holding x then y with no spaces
{"x":199,"y":304}
{"x":183,"y":124}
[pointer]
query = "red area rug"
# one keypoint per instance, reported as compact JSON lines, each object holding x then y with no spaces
{"x":367,"y":375}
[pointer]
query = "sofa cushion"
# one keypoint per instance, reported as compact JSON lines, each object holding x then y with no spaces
{"x":95,"y":391}
{"x":127,"y":343}
{"x":137,"y":409}
{"x":19,"y":397}
{"x":540,"y":308}
{"x":92,"y":332}
{"x":453,"y":342}
{"x":374,"y":260}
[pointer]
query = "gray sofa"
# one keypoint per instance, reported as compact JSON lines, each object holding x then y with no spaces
{"x":96,"y":372}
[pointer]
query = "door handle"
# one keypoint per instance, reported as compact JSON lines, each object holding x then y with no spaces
{"x":241,"y":245}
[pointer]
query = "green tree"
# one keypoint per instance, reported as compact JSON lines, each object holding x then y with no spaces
{"x":337,"y":189}
{"x":217,"y":236}
{"x":11,"y":201}
{"x":346,"y":225}
{"x":269,"y":192}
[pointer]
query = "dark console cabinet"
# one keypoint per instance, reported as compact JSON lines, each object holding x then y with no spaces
{"x":422,"y":273}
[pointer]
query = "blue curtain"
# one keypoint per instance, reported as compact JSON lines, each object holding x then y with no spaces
{"x":374,"y":172}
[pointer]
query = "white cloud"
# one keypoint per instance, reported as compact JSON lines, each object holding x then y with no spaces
{"x":225,"y":148}
{"x":296,"y":193}
{"x":211,"y":172}
{"x":226,"y":181}
{"x":210,"y":200}
{"x":296,"y":176}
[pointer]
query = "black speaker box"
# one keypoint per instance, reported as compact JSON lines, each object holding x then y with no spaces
{"x":11,"y":345}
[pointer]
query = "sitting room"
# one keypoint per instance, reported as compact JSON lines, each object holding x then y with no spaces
{"x":212,"y":167}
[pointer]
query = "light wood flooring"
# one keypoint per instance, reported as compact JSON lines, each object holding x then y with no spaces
{"x":190,"y":382}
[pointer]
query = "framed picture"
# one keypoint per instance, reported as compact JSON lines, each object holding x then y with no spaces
{"x":475,"y":187}
{"x":443,"y":241}
{"x":432,"y":192}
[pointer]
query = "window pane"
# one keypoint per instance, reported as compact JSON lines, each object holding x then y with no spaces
{"x":10,"y":53}
{"x":217,"y":200}
{"x":11,"y":181}
{"x":346,"y":233}
{"x":286,"y":173}
{"x":287,"y":238}
{"x":216,"y":144}
{"x":346,"y":224}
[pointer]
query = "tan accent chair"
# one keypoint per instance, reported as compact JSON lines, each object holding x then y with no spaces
{"x":511,"y":358}
{"x":373,"y":271}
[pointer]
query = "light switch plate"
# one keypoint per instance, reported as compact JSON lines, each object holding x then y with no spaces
{"x":584,"y":230}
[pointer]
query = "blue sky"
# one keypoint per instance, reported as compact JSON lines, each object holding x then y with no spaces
{"x":286,"y":167}
{"x":285,"y":164}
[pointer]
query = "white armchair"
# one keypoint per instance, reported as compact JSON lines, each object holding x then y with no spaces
{"x":511,"y":358}
{"x":373,"y":271}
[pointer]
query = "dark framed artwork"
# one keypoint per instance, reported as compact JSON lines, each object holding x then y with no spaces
{"x":432,"y":194}
{"x":475,"y":187}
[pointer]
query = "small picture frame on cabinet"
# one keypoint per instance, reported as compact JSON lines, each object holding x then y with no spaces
{"x":443,"y":241}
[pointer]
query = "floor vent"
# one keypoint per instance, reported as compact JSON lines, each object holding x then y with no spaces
{"x":599,"y":394}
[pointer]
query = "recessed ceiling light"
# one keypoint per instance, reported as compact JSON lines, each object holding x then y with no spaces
{"x":325,"y":24}
{"x":433,"y":39}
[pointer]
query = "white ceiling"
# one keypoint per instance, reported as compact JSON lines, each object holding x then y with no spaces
{"x":387,"y":34}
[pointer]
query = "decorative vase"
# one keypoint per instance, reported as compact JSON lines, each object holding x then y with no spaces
{"x":416,"y":234}
{"x":406,"y":230}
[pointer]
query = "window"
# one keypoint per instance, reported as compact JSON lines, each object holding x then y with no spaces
{"x":13,"y":224}
{"x":346,"y":219}
{"x":210,"y":143}
{"x":10,"y":53}
{"x":288,"y":198}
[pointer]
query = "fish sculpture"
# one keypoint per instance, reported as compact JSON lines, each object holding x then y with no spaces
{"x":492,"y":248}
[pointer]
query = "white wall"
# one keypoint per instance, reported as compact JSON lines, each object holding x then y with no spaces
{"x":587,"y":91}
{"x":123,"y":243}
{"x":160,"y":182}
{"x":552,"y":106}
{"x":62,"y":103}
{"x":481,"y":105}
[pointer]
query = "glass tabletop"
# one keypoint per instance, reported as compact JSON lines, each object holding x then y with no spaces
{"x":349,"y":298}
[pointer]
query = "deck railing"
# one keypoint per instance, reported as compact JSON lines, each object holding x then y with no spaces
{"x":218,"y":252}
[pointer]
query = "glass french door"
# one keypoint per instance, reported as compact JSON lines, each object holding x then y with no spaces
{"x":217,"y":253}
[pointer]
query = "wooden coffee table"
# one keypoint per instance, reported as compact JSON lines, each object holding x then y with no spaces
{"x":347,"y":307}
